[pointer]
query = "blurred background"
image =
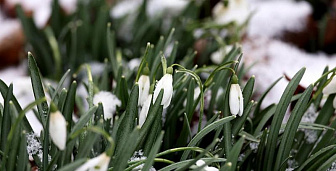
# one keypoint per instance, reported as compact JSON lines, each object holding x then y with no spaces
{"x":277,"y":37}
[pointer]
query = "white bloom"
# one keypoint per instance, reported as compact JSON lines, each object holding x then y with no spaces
{"x":218,"y":56}
{"x":331,"y":89}
{"x":144,"y":110}
{"x":41,"y":16}
{"x":236,"y":100}
{"x":144,"y":85}
{"x":165,"y":83}
{"x":237,"y":11}
{"x":109,"y":101}
{"x":57,"y":129}
{"x":200,"y":163}
{"x":99,"y":163}
{"x":69,"y":6}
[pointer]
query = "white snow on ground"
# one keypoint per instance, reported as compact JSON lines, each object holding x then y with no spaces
{"x":272,"y":18}
{"x":154,"y":7}
{"x":275,"y":58}
{"x":22,"y":90}
{"x":7,"y":27}
{"x":42,"y":8}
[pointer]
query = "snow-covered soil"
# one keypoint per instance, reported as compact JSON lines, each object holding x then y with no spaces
{"x":272,"y":58}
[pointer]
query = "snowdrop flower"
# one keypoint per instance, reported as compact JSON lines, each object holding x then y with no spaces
{"x":57,"y":127}
{"x":69,"y":6}
{"x":331,"y":89}
{"x":99,"y":163}
{"x":109,"y":101}
{"x":144,"y":110}
{"x":237,"y":11}
{"x":236,"y":98}
{"x":200,"y":163}
{"x":165,"y":83}
{"x":144,"y":85}
{"x":218,"y":56}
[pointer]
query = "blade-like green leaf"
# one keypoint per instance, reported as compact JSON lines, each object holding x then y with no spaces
{"x":292,"y":125}
{"x":278,"y":117}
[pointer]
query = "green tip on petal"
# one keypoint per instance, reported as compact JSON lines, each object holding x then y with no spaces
{"x":170,"y":70}
{"x":234,"y":79}
{"x":145,"y":71}
{"x":53,"y":107}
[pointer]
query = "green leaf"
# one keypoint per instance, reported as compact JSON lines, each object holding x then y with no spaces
{"x":153,"y":152}
{"x":14,"y":147}
{"x":327,"y":111}
{"x":257,"y":109}
{"x":204,"y":132}
{"x":128,"y":123}
{"x":234,"y":153}
{"x":327,"y":163}
{"x":122,"y":92}
{"x":4,"y":90}
{"x":315,"y":156}
{"x":238,"y":123}
{"x":291,"y":126}
{"x":278,"y":117}
{"x":267,"y":114}
{"x":126,"y":150}
{"x":83,"y":120}
{"x":38,"y":88}
{"x":184,"y":162}
{"x":6,"y":119}
{"x":198,"y":156}
{"x":248,"y":91}
{"x":60,"y":84}
{"x":74,"y":165}
{"x":22,"y":154}
{"x":261,"y":150}
{"x":69,"y":105}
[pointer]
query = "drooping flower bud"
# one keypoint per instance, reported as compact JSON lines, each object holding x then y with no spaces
{"x":57,"y":127}
{"x":201,"y":163}
{"x":144,"y":85}
{"x":331,"y":89}
{"x":99,"y":163}
{"x":165,"y":83}
{"x":236,"y":101}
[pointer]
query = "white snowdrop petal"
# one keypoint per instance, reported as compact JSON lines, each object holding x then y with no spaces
{"x":144,"y":110}
{"x":241,"y":102}
{"x":144,"y":86}
{"x":165,"y":83}
{"x":234,"y":99}
{"x":211,"y":169}
{"x":57,"y":129}
{"x":200,"y":163}
{"x":334,"y":103}
{"x":330,"y":88}
{"x":69,"y":6}
{"x":41,"y":16}
{"x":99,"y":163}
